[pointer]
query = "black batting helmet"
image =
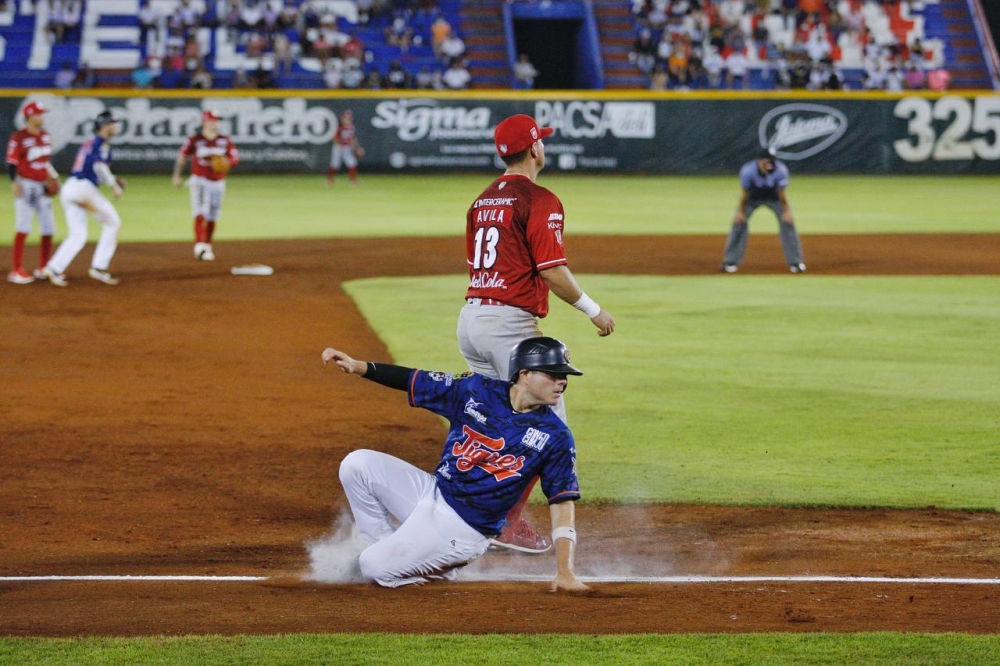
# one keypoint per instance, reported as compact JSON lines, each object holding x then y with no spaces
{"x":541,"y":353}
{"x":104,"y":118}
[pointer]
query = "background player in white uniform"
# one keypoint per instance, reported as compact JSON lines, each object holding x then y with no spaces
{"x":28,"y":153}
{"x":212,"y":156}
{"x":346,"y":149}
{"x":502,"y":435}
{"x":515,"y":255}
{"x":81,"y":194}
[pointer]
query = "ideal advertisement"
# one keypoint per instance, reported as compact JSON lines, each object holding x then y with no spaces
{"x":910,"y":134}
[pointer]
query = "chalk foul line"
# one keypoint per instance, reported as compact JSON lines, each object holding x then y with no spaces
{"x":505,"y":578}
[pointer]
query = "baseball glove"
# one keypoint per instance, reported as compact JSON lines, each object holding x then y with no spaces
{"x":220,"y":164}
{"x":52,"y":186}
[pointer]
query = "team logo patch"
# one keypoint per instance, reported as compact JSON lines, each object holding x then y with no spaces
{"x":503,"y":148}
{"x":478,"y":450}
{"x":470,"y":409}
{"x":534,"y":134}
{"x":463,"y":375}
{"x":535,"y":439}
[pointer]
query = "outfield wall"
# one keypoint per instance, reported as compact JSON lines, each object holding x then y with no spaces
{"x":696,"y":133}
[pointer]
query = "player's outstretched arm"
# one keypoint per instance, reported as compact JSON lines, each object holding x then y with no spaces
{"x":344,"y":362}
{"x":562,"y":283}
{"x":563,"y":517}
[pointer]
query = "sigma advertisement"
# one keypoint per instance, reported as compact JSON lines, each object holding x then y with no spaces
{"x":949,"y":134}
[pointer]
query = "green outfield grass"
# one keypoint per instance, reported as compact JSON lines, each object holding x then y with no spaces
{"x":505,"y":649}
{"x":396,"y":205}
{"x":761,"y":390}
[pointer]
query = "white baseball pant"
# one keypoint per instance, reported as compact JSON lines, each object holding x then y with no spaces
{"x":342,"y":155}
{"x":33,"y":202}
{"x":206,"y":197}
{"x":488,"y":333}
{"x":431,"y":542}
{"x":78,"y":196}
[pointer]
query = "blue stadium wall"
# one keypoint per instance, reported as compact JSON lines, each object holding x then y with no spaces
{"x":704,"y":133}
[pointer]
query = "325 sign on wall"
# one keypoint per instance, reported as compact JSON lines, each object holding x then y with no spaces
{"x":949,"y":128}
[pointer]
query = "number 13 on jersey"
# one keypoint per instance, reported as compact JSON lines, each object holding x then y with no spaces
{"x":487,"y":238}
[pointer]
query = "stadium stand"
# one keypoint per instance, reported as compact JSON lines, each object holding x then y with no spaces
{"x":401,"y":43}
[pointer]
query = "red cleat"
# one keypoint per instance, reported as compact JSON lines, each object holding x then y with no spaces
{"x":522,"y":538}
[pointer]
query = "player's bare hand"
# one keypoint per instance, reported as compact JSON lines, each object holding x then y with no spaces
{"x":15,"y":188}
{"x":740,"y":217}
{"x":604,"y":322}
{"x":345,"y":362}
{"x":178,"y":181}
{"x":787,"y":217}
{"x":117,"y":191}
{"x":568,"y":583}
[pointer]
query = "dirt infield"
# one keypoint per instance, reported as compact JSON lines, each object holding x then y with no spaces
{"x":181,"y":423}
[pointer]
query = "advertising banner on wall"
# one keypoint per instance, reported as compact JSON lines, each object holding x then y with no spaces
{"x":952,"y":134}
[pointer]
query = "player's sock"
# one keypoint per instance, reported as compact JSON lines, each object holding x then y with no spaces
{"x":209,"y":231}
{"x":199,"y":229}
{"x":44,"y":251}
{"x":352,"y":173}
{"x":20,"y":238}
{"x":514,"y":515}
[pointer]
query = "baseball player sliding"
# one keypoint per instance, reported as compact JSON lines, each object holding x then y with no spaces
{"x":33,"y":182}
{"x":502,"y":434}
{"x":213,"y":155}
{"x":515,"y":256}
{"x":82,"y":195}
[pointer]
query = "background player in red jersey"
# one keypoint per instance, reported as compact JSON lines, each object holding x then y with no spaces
{"x":212,"y":156}
{"x":515,"y":253}
{"x":346,"y":149}
{"x":28,"y":153}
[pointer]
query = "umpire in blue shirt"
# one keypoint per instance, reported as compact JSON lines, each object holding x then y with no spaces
{"x":763,"y":181}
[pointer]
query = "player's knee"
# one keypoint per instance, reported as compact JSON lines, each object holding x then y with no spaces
{"x":353,"y":465}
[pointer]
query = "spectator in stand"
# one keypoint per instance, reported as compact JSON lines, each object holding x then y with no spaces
{"x":201,"y":78}
{"x":440,"y":29}
{"x":261,"y":78}
{"x":660,"y":78}
{"x":149,"y":25}
{"x":894,"y":80}
{"x":142,"y":76}
{"x":737,"y":70}
{"x":57,"y":22}
{"x":192,"y":53}
{"x":65,"y":77}
{"x":524,"y":73}
{"x":72,"y":13}
{"x":240,"y":79}
{"x":397,"y":77}
{"x":452,"y":47}
{"x":677,"y":64}
{"x":231,"y":19}
{"x":730,"y":12}
{"x":353,"y":49}
{"x":85,"y":77}
{"x":373,"y":81}
{"x":938,"y":79}
{"x":332,"y":75}
{"x":351,"y":77}
{"x":643,"y":54}
{"x":425,"y":78}
{"x":714,"y":65}
{"x":282,"y":53}
{"x":914,"y":77}
{"x":256,"y":45}
{"x":399,"y":33}
{"x":251,"y":16}
{"x":457,"y":76}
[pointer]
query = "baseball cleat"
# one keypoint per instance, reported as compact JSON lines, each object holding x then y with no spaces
{"x":729,"y":268}
{"x":207,"y":254}
{"x":523,"y":539}
{"x":39,"y":274}
{"x":58,"y":279}
{"x":19,"y":276}
{"x":797,"y":268}
{"x":103,"y":276}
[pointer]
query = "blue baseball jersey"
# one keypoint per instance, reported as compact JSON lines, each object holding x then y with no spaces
{"x":492,"y":452}
{"x":95,"y":149}
{"x":763,"y":187}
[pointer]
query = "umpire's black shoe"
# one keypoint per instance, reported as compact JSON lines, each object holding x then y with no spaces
{"x":797,"y":268}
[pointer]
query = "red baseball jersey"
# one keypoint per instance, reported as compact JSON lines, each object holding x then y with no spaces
{"x":513,"y":232}
{"x":200,"y":149}
{"x":30,"y":153}
{"x":345,"y":135}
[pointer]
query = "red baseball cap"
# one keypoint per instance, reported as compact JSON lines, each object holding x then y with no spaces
{"x":517,"y":133}
{"x":34,"y":109}
{"x":209,"y":114}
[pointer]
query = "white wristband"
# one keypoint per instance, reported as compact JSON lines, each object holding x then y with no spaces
{"x":587,"y":306}
{"x":564,"y":533}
